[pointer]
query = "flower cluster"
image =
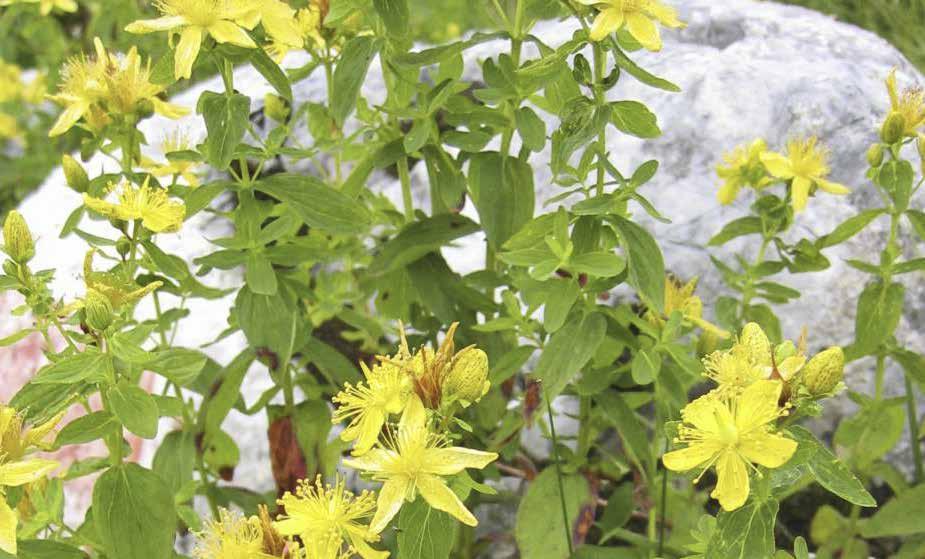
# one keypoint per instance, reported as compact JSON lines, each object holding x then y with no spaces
{"x":16,"y":468}
{"x":638,"y":17}
{"x":804,"y":167}
{"x":680,"y":297}
{"x":733,"y":427}
{"x":413,"y":457}
{"x":151,"y":205}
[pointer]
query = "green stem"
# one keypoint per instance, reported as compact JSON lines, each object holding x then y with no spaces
{"x":914,"y":430}
{"x":405,"y":178}
{"x":555,"y":451}
{"x":878,"y":379}
{"x":599,"y":63}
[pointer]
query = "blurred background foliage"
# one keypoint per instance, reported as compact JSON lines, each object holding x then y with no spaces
{"x":33,"y":48}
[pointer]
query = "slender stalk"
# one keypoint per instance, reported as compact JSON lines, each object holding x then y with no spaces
{"x":555,"y":451}
{"x":878,"y":379}
{"x":405,"y":178}
{"x":914,"y":430}
{"x":599,"y":63}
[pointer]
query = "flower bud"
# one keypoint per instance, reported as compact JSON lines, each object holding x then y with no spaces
{"x":824,"y":371}
{"x":75,"y":174}
{"x":97,"y":310}
{"x":124,"y":246}
{"x":893,"y":129}
{"x":756,"y":344}
{"x":276,"y":107}
{"x":467,"y":380}
{"x":17,"y":240}
{"x":875,"y":155}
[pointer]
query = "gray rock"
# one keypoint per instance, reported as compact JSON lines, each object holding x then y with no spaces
{"x":747,"y":69}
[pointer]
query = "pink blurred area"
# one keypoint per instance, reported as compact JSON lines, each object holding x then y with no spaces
{"x":18,"y":363}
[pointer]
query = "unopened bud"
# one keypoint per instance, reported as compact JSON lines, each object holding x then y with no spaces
{"x":755,"y":343}
{"x":893,"y":129}
{"x":875,"y":155}
{"x":124,"y":246}
{"x":824,"y":371}
{"x":276,"y":107}
{"x":17,"y":240}
{"x":75,"y":175}
{"x":467,"y":380}
{"x":97,"y":310}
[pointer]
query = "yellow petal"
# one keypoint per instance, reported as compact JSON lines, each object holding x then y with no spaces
{"x":13,"y":474}
{"x":666,"y":15}
{"x":363,"y":548}
{"x":373,"y":461}
{"x":777,"y":165}
{"x":68,"y":118}
{"x":689,"y":458}
{"x":892,"y":89}
{"x":8,"y":522}
{"x":366,"y":431}
{"x":769,"y":450}
{"x":414,"y":417}
{"x":644,"y":30}
{"x":439,"y":496}
{"x":391,"y":497}
{"x":606,"y":22}
{"x":100,"y":206}
{"x":165,"y":23}
{"x":757,"y":405}
{"x":732,"y":481}
{"x":228,"y":32}
{"x":702,"y":413}
{"x":799,"y":192}
{"x":170,"y":110}
{"x":452,"y":460}
{"x":729,"y":191}
{"x":791,"y":366}
{"x":187,"y":52}
{"x":832,"y":187}
{"x":37,"y":434}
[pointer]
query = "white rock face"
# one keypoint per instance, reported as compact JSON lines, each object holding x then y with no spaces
{"x":747,"y":69}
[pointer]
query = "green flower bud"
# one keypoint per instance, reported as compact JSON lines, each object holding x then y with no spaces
{"x":824,"y":371}
{"x":467,"y":380}
{"x":875,"y":155}
{"x":276,"y":107}
{"x":893,"y":129}
{"x":75,"y":174}
{"x":756,"y":344}
{"x":17,"y":240}
{"x":98,"y":312}
{"x":124,"y":246}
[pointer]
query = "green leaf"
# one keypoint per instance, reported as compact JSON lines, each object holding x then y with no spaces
{"x":134,"y":513}
{"x":913,"y":265}
{"x":227,"y":392}
{"x":849,"y":228}
{"x":562,"y":296}
{"x":917,"y":220}
{"x":271,"y":71}
{"x":179,"y":365}
{"x":568,"y":350}
{"x":879,"y":310}
{"x":418,"y":239}
{"x":896,"y":177}
{"x":317,"y":204}
{"x":904,"y":515}
{"x":395,"y":15}
{"x":633,"y":69}
{"x":531,"y":128}
{"x":871,"y":432}
{"x":600,"y":264}
{"x":502,"y":191}
{"x":541,"y":531}
{"x":48,"y":549}
{"x":331,"y":362}
{"x":355,"y":58}
{"x":267,"y":320}
{"x":745,"y":533}
{"x":135,"y":408}
{"x":635,"y":119}
{"x":88,"y":366}
{"x":260,"y":276}
{"x":644,"y":258}
{"x":830,"y":472}
{"x":90,"y":427}
{"x":175,"y":459}
{"x":425,"y":532}
{"x":750,"y":225}
{"x":631,"y":429}
{"x":226,"y":119}
{"x":646,"y":366}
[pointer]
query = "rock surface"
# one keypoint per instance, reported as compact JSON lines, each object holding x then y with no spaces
{"x":747,"y":69}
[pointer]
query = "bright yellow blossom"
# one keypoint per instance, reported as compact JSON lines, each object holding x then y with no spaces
{"x":16,"y":440}
{"x":415,"y":460}
{"x":680,"y":297}
{"x":740,"y":168}
{"x":231,"y":536}
{"x":910,"y":104}
{"x":639,"y":17}
{"x":108,"y":85}
{"x":184,"y":168}
{"x":14,"y":473}
{"x":46,"y":6}
{"x":152,"y":205}
{"x":753,"y":358}
{"x":732,"y":433}
{"x":281,"y":24}
{"x":308,"y":24}
{"x":806,"y":164}
{"x":330,"y":514}
{"x":113,"y":286}
{"x":223,"y":20}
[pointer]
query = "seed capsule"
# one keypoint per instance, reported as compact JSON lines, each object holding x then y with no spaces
{"x":824,"y":371}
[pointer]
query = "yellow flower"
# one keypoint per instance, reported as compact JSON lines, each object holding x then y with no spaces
{"x":152,"y":205}
{"x":106,"y":86}
{"x":45,"y":6}
{"x":223,"y":20}
{"x":184,"y":168}
{"x":740,"y":168}
{"x":281,"y":24}
{"x":806,"y":164}
{"x":319,"y":512}
{"x":732,"y":433}
{"x":415,"y":460}
{"x":14,"y":473}
{"x":232,"y":536}
{"x":753,"y":358}
{"x":16,"y":441}
{"x":910,"y":104}
{"x":113,"y":286}
{"x":681,"y":298}
{"x":308,"y":23}
{"x":639,"y":16}
{"x":9,"y":128}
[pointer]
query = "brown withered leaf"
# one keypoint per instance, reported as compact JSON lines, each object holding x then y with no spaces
{"x":286,"y":457}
